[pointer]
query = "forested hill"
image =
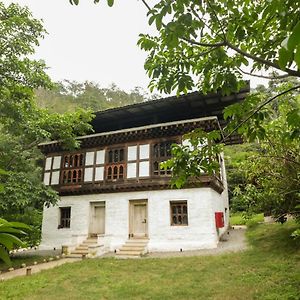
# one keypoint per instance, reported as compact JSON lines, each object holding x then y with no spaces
{"x":66,"y":96}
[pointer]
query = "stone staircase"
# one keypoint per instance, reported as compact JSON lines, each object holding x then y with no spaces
{"x":88,"y":246}
{"x":133,"y":248}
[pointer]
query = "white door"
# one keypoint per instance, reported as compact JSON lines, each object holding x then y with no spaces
{"x":98,"y":220}
{"x":139,"y":220}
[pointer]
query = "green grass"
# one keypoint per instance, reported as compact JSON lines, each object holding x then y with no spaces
{"x":237,"y":219}
{"x":16,"y":262}
{"x":268,"y":270}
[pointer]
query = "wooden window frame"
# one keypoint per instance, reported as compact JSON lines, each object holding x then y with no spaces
{"x":64,"y":221}
{"x":68,"y":167}
{"x":179,"y":215}
{"x":119,"y":165}
{"x":159,"y":159}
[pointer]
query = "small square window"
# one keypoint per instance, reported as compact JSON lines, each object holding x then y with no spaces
{"x":179,"y":213}
{"x":65,"y":217}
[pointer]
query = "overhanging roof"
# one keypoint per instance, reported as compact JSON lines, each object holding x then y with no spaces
{"x":153,"y":116}
{"x":189,"y":106}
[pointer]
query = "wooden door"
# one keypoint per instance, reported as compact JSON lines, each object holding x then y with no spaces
{"x":98,"y":220}
{"x":139,"y":220}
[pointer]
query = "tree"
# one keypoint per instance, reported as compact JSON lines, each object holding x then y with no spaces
{"x":23,"y":125}
{"x":271,"y":174}
{"x":208,"y":44}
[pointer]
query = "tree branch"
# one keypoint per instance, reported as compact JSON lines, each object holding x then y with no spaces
{"x":258,"y":109}
{"x":218,"y":20}
{"x":201,"y":20}
{"x":146,"y":4}
{"x":261,"y":60}
{"x":278,"y":158}
{"x":214,"y":45}
{"x":263,"y":76}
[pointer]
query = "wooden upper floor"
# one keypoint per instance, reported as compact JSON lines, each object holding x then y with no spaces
{"x":130,"y":142}
{"x":123,"y":160}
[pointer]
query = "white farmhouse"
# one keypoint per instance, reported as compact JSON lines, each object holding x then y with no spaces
{"x":114,"y":196}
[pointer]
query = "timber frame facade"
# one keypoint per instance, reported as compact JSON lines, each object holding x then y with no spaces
{"x":113,"y":193}
{"x":109,"y":154}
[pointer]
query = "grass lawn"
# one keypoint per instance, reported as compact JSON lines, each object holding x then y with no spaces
{"x":270,"y":269}
{"x":237,"y":219}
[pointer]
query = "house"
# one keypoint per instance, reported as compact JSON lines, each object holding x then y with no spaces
{"x":114,"y":196}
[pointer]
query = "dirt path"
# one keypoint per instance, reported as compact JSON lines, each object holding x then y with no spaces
{"x":36,"y":268}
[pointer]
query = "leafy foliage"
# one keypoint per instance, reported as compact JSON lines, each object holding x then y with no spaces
{"x":69,"y":95}
{"x":208,"y":44}
{"x":234,"y":156}
{"x":23,"y":125}
{"x":9,"y":232}
{"x":271,"y":174}
{"x":198,"y":155}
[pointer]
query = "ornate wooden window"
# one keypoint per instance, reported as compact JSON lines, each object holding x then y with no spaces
{"x":179,"y":213}
{"x":115,"y":155}
{"x":115,"y":167}
{"x":65,"y":217}
{"x":161,"y":152}
{"x":72,"y":172}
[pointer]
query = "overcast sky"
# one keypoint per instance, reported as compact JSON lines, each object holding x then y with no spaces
{"x":93,"y":42}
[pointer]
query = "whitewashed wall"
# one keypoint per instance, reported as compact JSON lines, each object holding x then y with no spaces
{"x":222,"y":202}
{"x":200,"y":232}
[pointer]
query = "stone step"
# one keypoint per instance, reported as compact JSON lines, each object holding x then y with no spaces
{"x":132,"y":247}
{"x":129,"y":253}
{"x":136,"y":244}
{"x":89,"y":242}
{"x":77,"y":251}
{"x":143,"y":242}
{"x":128,"y":256}
{"x":82,"y":247}
{"x":74,"y":256}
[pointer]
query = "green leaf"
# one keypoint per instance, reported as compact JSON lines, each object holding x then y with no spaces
{"x":19,"y":225}
{"x":9,"y":240}
{"x":4,"y":256}
{"x":110,"y":3}
{"x":294,"y":39}
{"x":151,"y":19}
{"x":297,"y":56}
{"x":284,"y":57}
{"x":11,"y":230}
{"x":76,"y":2}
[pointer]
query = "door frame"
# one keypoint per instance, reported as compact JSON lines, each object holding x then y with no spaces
{"x":92,"y":207}
{"x":132,"y":203}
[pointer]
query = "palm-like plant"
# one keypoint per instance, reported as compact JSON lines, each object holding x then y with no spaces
{"x":9,"y":232}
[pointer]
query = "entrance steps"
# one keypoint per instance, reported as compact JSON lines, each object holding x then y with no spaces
{"x":88,"y":246}
{"x":133,"y":248}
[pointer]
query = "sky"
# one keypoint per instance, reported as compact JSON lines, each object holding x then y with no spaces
{"x":94,"y":42}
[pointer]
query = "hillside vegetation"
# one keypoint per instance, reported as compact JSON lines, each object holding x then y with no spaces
{"x":66,"y":96}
